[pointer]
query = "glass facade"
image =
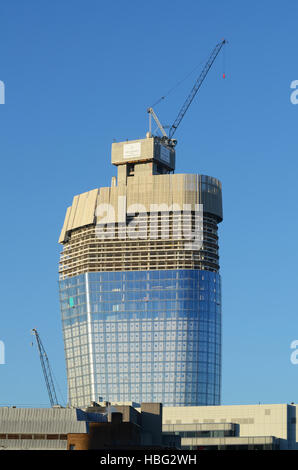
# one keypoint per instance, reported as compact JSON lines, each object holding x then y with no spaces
{"x":143,"y":336}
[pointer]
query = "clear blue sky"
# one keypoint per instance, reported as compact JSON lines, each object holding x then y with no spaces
{"x":79,"y":74}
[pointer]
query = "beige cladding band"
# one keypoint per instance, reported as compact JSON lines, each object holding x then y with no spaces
{"x":167,"y":189}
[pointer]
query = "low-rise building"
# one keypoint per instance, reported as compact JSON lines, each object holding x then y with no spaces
{"x":233,"y":427}
{"x":96,"y":427}
{"x":125,"y":427}
{"x":38,"y":428}
{"x":129,"y":425}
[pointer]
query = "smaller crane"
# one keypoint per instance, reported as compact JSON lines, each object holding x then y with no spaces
{"x":46,"y":369}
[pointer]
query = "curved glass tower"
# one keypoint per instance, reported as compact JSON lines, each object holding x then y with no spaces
{"x":140,"y":286}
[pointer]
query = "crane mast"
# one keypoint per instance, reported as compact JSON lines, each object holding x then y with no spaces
{"x":46,"y":369}
{"x":169,"y":138}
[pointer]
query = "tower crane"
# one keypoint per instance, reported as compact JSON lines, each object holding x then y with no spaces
{"x":46,"y":369}
{"x":168,"y":139}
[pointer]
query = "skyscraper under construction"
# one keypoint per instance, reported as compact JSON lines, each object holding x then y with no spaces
{"x":139,"y":279}
{"x":140,"y":285}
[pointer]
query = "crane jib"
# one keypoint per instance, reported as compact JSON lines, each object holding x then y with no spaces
{"x":196,"y":87}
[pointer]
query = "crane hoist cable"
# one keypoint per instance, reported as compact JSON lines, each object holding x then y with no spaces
{"x":182,"y":80}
